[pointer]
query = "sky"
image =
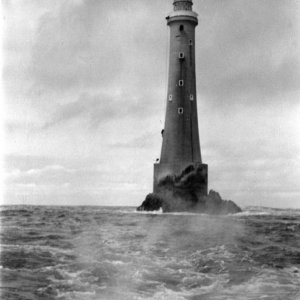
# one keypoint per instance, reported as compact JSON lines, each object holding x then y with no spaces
{"x":85,"y":86}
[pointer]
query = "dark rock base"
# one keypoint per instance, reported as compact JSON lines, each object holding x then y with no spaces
{"x":184,"y":193}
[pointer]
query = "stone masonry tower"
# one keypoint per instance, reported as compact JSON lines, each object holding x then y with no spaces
{"x":181,"y":145}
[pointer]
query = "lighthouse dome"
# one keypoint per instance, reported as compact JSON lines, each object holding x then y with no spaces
{"x":183,"y":4}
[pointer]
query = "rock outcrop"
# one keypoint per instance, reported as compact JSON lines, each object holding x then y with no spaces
{"x":184,"y":193}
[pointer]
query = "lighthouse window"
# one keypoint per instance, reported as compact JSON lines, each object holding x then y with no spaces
{"x":180,"y":110}
{"x":181,"y":27}
{"x":191,"y":97}
{"x":180,"y":82}
{"x":170,"y":98}
{"x":181,"y":55}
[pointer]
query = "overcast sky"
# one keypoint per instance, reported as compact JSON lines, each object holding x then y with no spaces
{"x":85,"y":90}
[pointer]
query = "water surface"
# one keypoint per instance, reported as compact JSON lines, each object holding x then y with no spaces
{"x":117,"y":253}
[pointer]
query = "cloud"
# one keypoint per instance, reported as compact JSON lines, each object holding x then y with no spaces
{"x":260,"y":83}
{"x":62,"y":55}
{"x":85,"y":86}
{"x":145,"y":140}
{"x":17,"y":174}
{"x":90,"y":44}
{"x":100,"y":108}
{"x":248,"y":51}
{"x":89,"y":182}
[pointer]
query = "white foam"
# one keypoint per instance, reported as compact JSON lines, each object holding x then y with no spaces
{"x":154,"y":212}
{"x":251,"y":213}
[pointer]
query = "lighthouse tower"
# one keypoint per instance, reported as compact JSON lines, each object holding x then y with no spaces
{"x":181,"y":144}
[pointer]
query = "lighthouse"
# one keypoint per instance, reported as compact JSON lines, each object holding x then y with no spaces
{"x":180,"y":137}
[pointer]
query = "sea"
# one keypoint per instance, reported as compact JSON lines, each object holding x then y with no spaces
{"x":95,"y":253}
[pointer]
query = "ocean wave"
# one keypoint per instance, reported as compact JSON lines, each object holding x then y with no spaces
{"x":261,"y":210}
{"x":160,"y":212}
{"x":251,"y":213}
{"x":117,"y":253}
